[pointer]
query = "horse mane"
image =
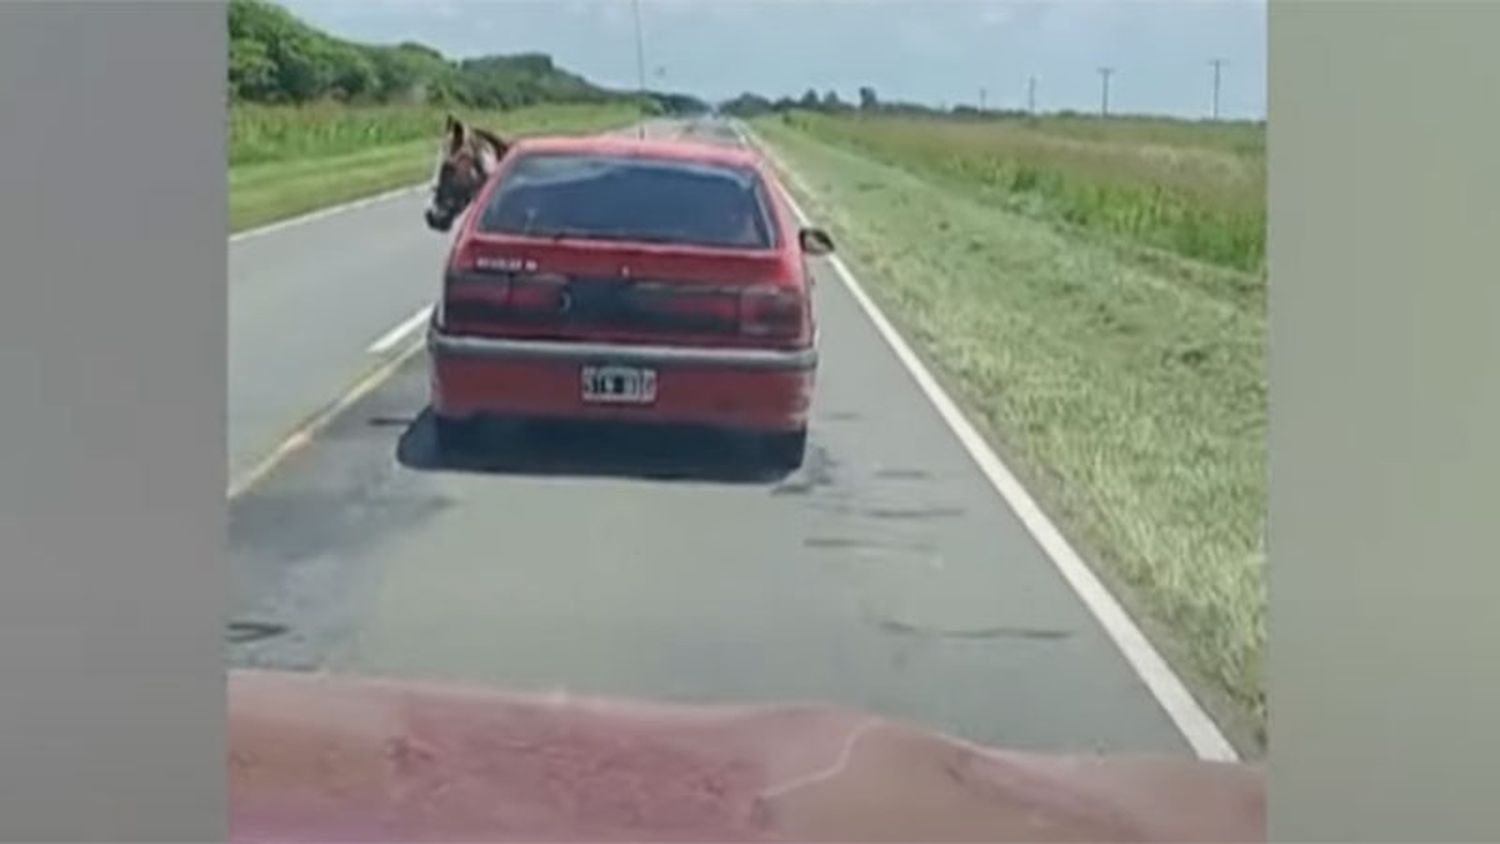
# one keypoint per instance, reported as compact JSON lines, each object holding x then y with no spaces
{"x":492,"y":139}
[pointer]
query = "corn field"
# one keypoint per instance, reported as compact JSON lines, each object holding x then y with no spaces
{"x":263,"y":133}
{"x":1198,"y":190}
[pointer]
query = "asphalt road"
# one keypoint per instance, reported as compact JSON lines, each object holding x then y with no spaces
{"x":886,"y":574}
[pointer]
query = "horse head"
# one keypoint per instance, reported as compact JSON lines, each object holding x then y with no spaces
{"x":466,"y":159}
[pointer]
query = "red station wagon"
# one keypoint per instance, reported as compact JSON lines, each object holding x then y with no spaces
{"x":631,"y":280}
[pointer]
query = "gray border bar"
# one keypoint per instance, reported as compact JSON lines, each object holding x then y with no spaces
{"x":112,"y":513}
{"x":1385,"y":555}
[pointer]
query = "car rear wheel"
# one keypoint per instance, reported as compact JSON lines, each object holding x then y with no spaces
{"x":785,"y":451}
{"x":454,"y":435}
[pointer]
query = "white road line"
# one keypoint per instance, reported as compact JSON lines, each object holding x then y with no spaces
{"x":1207,"y":741}
{"x":329,"y":212}
{"x":304,"y":433}
{"x":390,"y":339}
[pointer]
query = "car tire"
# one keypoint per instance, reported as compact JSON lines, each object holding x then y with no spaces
{"x":785,"y":451}
{"x":453,"y":435}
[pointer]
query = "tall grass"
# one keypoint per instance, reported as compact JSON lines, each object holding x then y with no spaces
{"x":1237,"y":137}
{"x":1197,"y":190}
{"x":286,"y":160}
{"x":264,"y":133}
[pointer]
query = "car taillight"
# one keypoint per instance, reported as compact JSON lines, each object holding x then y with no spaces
{"x":458,"y":261}
{"x":462,"y":280}
{"x":516,"y":293}
{"x":772,"y":312}
{"x":687,"y":302}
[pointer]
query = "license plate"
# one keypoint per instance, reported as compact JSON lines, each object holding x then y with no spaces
{"x":619,"y":385}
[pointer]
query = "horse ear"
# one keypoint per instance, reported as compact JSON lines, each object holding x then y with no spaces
{"x":499,"y":143}
{"x":455,"y":130}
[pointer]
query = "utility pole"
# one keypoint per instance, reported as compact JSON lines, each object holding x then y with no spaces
{"x":1217,"y":63}
{"x":640,"y":62}
{"x":1031,"y":95}
{"x":983,"y":94}
{"x":1104,"y":74}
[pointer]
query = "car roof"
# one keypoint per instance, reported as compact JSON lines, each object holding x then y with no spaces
{"x":685,"y":151}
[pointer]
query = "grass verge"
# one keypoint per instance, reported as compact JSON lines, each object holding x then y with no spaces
{"x":1128,"y":383}
{"x":289,"y":160}
{"x":1197,"y":190}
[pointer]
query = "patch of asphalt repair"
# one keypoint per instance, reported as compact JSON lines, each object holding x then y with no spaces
{"x":901,"y":629}
{"x":843,"y":543}
{"x":298,"y":542}
{"x":926,"y":512}
{"x":818,"y":472}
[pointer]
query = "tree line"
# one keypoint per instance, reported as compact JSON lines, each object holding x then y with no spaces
{"x":750,"y":104}
{"x":274,"y":57}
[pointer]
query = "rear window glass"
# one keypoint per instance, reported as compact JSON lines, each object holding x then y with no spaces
{"x":605,"y":197}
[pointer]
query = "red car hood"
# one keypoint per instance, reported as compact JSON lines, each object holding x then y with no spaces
{"x":324,"y":758}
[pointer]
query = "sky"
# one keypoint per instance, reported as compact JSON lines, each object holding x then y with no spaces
{"x":939,"y":52}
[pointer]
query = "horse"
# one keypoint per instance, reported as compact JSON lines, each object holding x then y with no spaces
{"x":467,"y":158}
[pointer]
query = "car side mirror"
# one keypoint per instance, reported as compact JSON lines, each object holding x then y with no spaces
{"x":815,"y":241}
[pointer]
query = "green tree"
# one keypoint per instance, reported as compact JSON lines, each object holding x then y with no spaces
{"x":352,"y":75}
{"x":275,"y":57}
{"x":252,"y":73}
{"x":303,"y":68}
{"x":746,"y":105}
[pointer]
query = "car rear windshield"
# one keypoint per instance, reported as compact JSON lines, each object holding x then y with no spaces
{"x":613,"y":197}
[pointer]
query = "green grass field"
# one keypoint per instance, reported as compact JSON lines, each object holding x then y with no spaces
{"x":287,"y":160}
{"x":1198,"y":190}
{"x":1094,"y":292}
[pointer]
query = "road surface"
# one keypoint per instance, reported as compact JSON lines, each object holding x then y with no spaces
{"x":886,"y":574}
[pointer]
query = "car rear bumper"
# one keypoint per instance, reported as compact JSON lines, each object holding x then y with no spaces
{"x":749,"y":389}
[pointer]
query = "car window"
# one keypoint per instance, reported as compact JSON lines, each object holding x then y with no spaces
{"x":600,"y":197}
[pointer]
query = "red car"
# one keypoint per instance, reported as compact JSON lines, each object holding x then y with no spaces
{"x":629,"y":280}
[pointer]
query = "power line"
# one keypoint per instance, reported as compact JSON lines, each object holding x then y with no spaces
{"x":1104,"y":74}
{"x":1217,"y":64}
